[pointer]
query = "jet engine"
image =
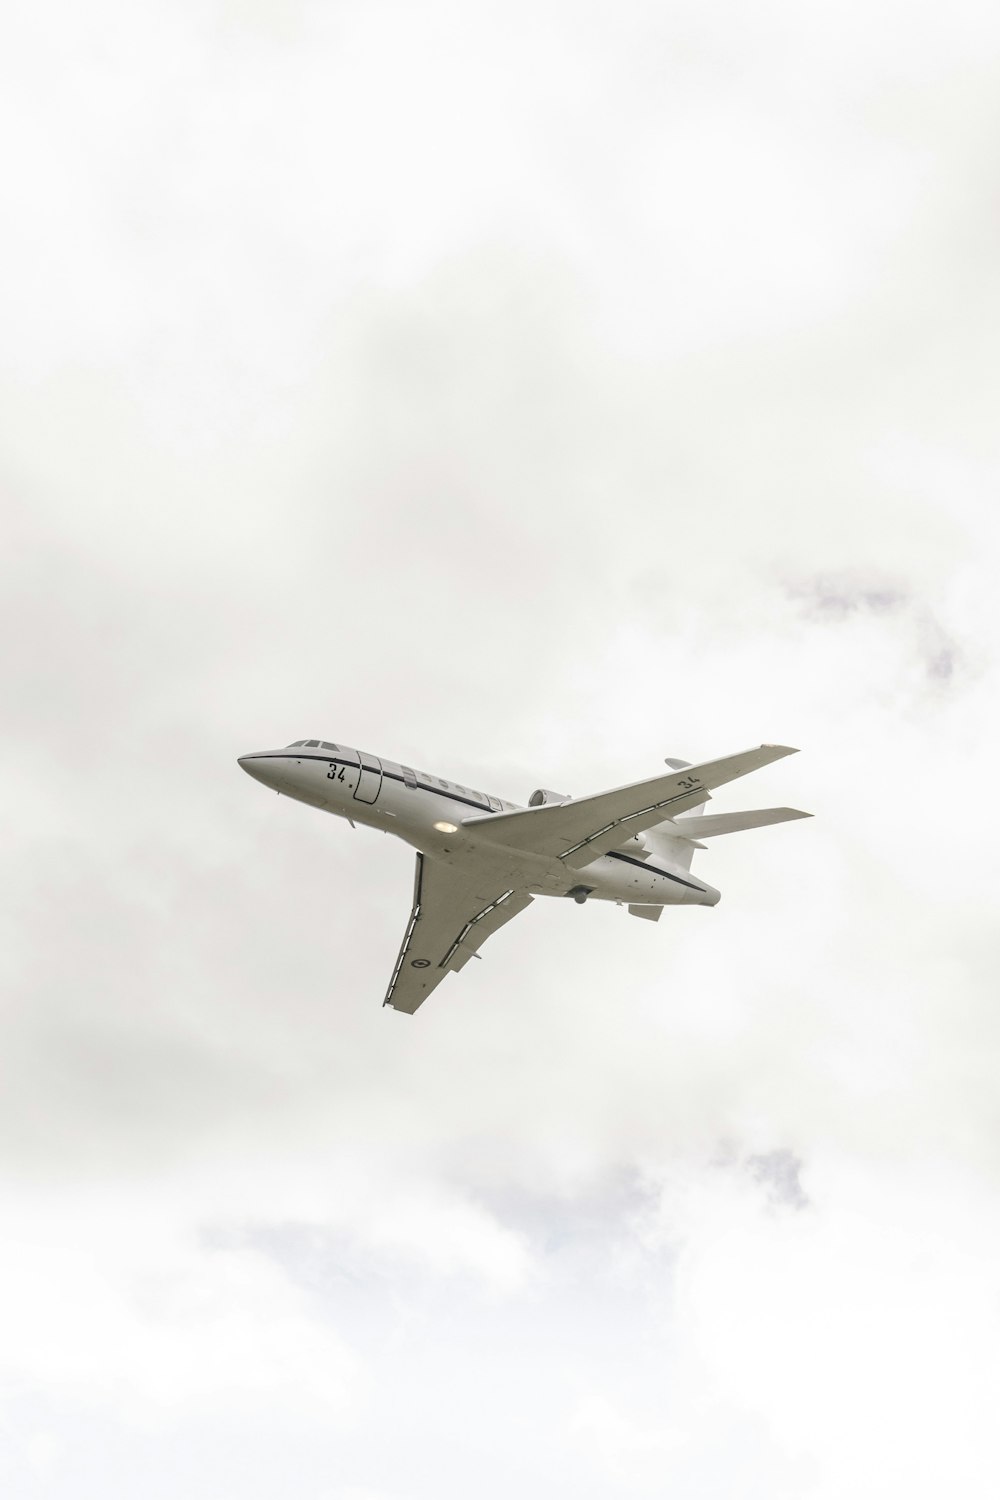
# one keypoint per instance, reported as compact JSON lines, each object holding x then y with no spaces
{"x":543,"y":796}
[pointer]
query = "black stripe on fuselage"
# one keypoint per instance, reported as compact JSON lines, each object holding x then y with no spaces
{"x":641,"y":864}
{"x":467,"y":801}
{"x":336,"y":760}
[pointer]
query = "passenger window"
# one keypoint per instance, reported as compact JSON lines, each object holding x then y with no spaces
{"x":409,"y":777}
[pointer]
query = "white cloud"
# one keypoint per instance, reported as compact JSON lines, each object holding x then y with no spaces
{"x":529,"y":396}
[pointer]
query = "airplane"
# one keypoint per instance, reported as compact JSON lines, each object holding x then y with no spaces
{"x":481,"y":859}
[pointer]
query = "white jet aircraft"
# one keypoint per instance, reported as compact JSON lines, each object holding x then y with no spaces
{"x":481,"y":860}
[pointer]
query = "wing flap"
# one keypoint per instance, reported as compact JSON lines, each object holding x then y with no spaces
{"x":453,"y":914}
{"x":581,"y":830}
{"x":489,"y":921}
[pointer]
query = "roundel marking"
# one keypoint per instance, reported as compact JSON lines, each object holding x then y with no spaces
{"x":420,"y":963}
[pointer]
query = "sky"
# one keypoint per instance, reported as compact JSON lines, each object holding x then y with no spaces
{"x":527,"y":393}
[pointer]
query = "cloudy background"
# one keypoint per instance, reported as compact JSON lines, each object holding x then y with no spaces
{"x":527,"y":392}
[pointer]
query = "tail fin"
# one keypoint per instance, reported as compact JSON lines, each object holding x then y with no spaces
{"x":677,"y":840}
{"x":679,"y":765}
{"x":663,"y":838}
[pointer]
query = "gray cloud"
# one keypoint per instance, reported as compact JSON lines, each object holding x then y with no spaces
{"x":839,"y":596}
{"x":778,"y":1172}
{"x":835,"y":598}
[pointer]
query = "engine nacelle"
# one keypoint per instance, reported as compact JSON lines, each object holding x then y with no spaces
{"x":543,"y":796}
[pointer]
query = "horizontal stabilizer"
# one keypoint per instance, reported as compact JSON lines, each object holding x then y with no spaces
{"x":710,"y":826}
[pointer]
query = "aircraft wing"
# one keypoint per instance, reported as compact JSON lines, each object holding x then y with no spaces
{"x":453,"y":915}
{"x":581,"y":830}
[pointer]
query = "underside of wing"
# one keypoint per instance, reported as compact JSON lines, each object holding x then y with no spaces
{"x":455,"y":909}
{"x":581,"y":830}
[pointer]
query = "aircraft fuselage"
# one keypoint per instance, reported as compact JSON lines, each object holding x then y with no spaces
{"x":427,"y":811}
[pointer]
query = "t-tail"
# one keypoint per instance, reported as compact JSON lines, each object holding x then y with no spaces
{"x":677,"y":839}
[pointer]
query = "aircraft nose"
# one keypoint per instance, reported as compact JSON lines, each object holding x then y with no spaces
{"x":255,"y":765}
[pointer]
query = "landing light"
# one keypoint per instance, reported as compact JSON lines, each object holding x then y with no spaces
{"x":446,"y":827}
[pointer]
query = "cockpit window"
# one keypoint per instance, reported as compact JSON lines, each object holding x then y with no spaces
{"x":311,"y":744}
{"x":326,"y":745}
{"x":295,"y":744}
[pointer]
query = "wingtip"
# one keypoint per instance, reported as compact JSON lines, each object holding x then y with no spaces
{"x":777,"y":751}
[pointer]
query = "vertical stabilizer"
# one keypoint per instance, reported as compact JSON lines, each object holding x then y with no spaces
{"x":679,"y":851}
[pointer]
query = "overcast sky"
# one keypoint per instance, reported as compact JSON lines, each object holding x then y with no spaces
{"x":526,"y":392}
